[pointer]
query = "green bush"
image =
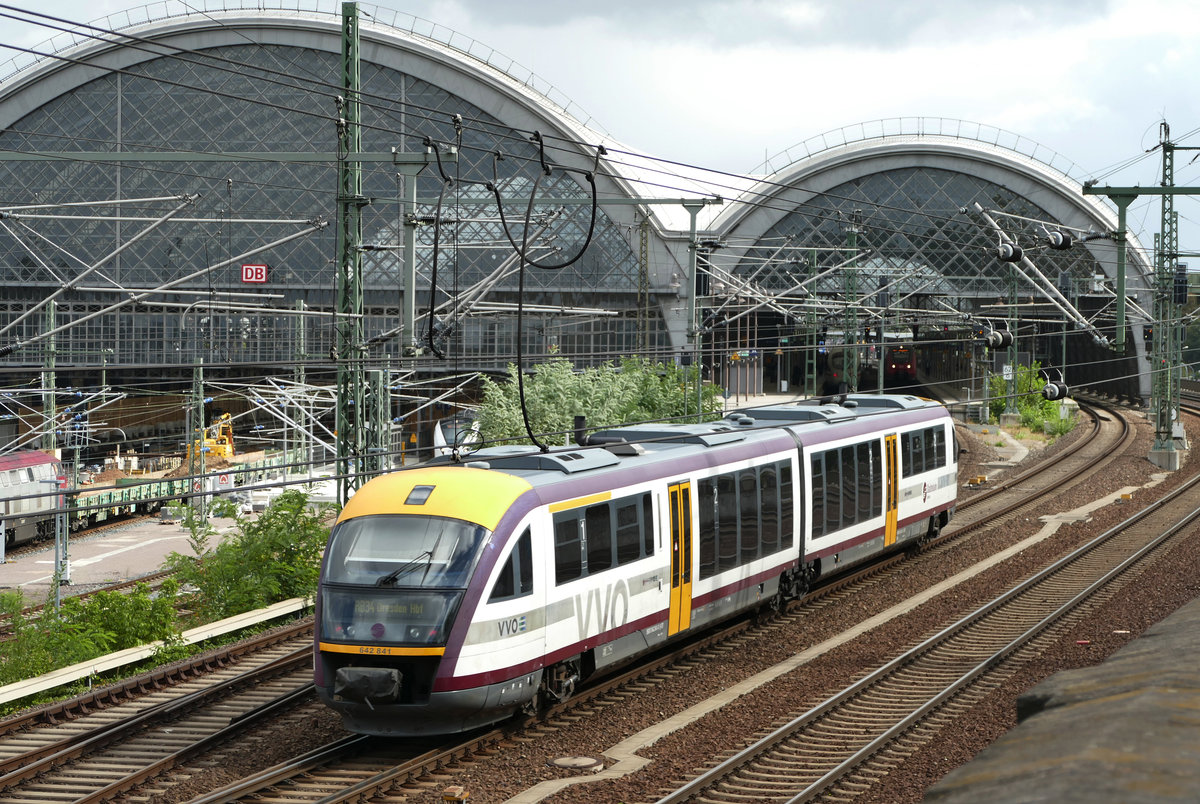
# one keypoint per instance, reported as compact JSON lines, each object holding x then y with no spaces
{"x":636,"y":390}
{"x":1034,"y":409}
{"x":272,"y":558}
{"x":83,"y":629}
{"x":125,"y":619}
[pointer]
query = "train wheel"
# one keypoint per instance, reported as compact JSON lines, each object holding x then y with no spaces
{"x":791,"y":586}
{"x":558,"y":683}
{"x":808,"y":576}
{"x":932,"y":532}
{"x":780,"y":598}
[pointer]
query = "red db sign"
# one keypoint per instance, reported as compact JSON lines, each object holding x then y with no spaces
{"x":256,"y":274}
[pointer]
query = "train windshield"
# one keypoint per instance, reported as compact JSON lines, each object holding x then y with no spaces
{"x":396,"y":579}
{"x":403,"y":551}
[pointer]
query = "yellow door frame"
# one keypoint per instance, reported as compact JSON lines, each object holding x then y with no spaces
{"x":680,"y":498}
{"x":892,"y":495}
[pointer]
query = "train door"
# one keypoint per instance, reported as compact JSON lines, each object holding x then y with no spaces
{"x":680,"y":495}
{"x":891,"y":490}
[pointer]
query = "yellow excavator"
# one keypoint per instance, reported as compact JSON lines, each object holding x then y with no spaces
{"x":218,"y":439}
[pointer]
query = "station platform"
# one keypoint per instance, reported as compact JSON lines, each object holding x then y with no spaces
{"x":1126,"y":731}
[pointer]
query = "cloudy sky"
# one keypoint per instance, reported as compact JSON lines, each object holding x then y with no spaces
{"x":725,"y":83}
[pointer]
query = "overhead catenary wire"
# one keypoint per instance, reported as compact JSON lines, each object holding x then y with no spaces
{"x":510,"y":239}
{"x":290,"y":82}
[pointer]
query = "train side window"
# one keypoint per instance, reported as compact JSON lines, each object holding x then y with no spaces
{"x":865,"y":482}
{"x":876,"y":479}
{"x":647,"y":524}
{"x":525,"y":564}
{"x":768,"y":505}
{"x":568,"y":548}
{"x":818,"y":495}
{"x":706,"y":505}
{"x":629,"y":532}
{"x":833,"y":485}
{"x":938,"y":439}
{"x":727,"y":523}
{"x":516,"y":577}
{"x":849,"y":487}
{"x":599,"y":535}
{"x":786,"y":513}
{"x":748,"y":515}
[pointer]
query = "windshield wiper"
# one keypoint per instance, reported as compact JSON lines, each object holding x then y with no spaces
{"x":391,"y":577}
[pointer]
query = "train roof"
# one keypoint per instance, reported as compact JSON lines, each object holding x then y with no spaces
{"x":831,"y":409}
{"x":751,"y":430}
{"x":24,"y":458}
{"x":604,"y":448}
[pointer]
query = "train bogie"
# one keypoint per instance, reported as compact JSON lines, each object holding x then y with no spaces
{"x":454,"y":595}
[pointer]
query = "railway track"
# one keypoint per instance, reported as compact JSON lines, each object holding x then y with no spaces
{"x":41,"y":545}
{"x":354,"y":768}
{"x":840,"y":747}
{"x":316,"y":777}
{"x":95,"y":747}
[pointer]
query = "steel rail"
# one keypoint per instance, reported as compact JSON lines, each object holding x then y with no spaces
{"x":740,"y":760}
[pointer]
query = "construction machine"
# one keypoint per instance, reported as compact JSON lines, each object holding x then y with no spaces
{"x":218,"y":439}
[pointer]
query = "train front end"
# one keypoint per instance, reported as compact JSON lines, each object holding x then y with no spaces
{"x":399,"y":563}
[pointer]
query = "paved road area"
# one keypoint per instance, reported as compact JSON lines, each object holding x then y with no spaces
{"x":125,"y":552}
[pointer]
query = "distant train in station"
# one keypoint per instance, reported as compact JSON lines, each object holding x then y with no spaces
{"x":458,"y":593}
{"x":34,"y":489}
{"x":899,"y":367}
{"x":28,"y":502}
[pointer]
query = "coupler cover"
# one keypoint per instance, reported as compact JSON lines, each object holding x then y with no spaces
{"x":368,"y":684}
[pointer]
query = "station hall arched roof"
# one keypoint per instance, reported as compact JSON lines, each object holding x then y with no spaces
{"x":912,"y":178}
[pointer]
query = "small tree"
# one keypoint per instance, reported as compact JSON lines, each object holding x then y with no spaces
{"x":634,"y":390}
{"x":1034,"y":409}
{"x":274,"y":557}
{"x":83,"y":628}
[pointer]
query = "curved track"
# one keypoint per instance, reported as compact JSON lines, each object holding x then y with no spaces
{"x":355,"y":768}
{"x":94,"y":747}
{"x":837,"y":749}
{"x":317,"y":774}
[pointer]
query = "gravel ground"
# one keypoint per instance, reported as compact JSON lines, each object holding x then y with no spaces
{"x":523,"y":762}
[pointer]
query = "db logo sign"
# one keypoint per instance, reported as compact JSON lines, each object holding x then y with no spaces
{"x":256,"y":274}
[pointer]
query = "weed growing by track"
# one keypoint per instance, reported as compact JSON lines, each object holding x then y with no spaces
{"x":272,"y":558}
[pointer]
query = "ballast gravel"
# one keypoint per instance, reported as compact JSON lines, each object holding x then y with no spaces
{"x":524,"y":761}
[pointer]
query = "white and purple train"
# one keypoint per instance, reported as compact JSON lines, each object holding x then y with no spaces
{"x":455,"y":594}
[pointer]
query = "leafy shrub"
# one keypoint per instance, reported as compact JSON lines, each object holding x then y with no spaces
{"x":1036,"y":412}
{"x":636,"y":390}
{"x":274,"y":557}
{"x":125,"y":619}
{"x":83,"y":629}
